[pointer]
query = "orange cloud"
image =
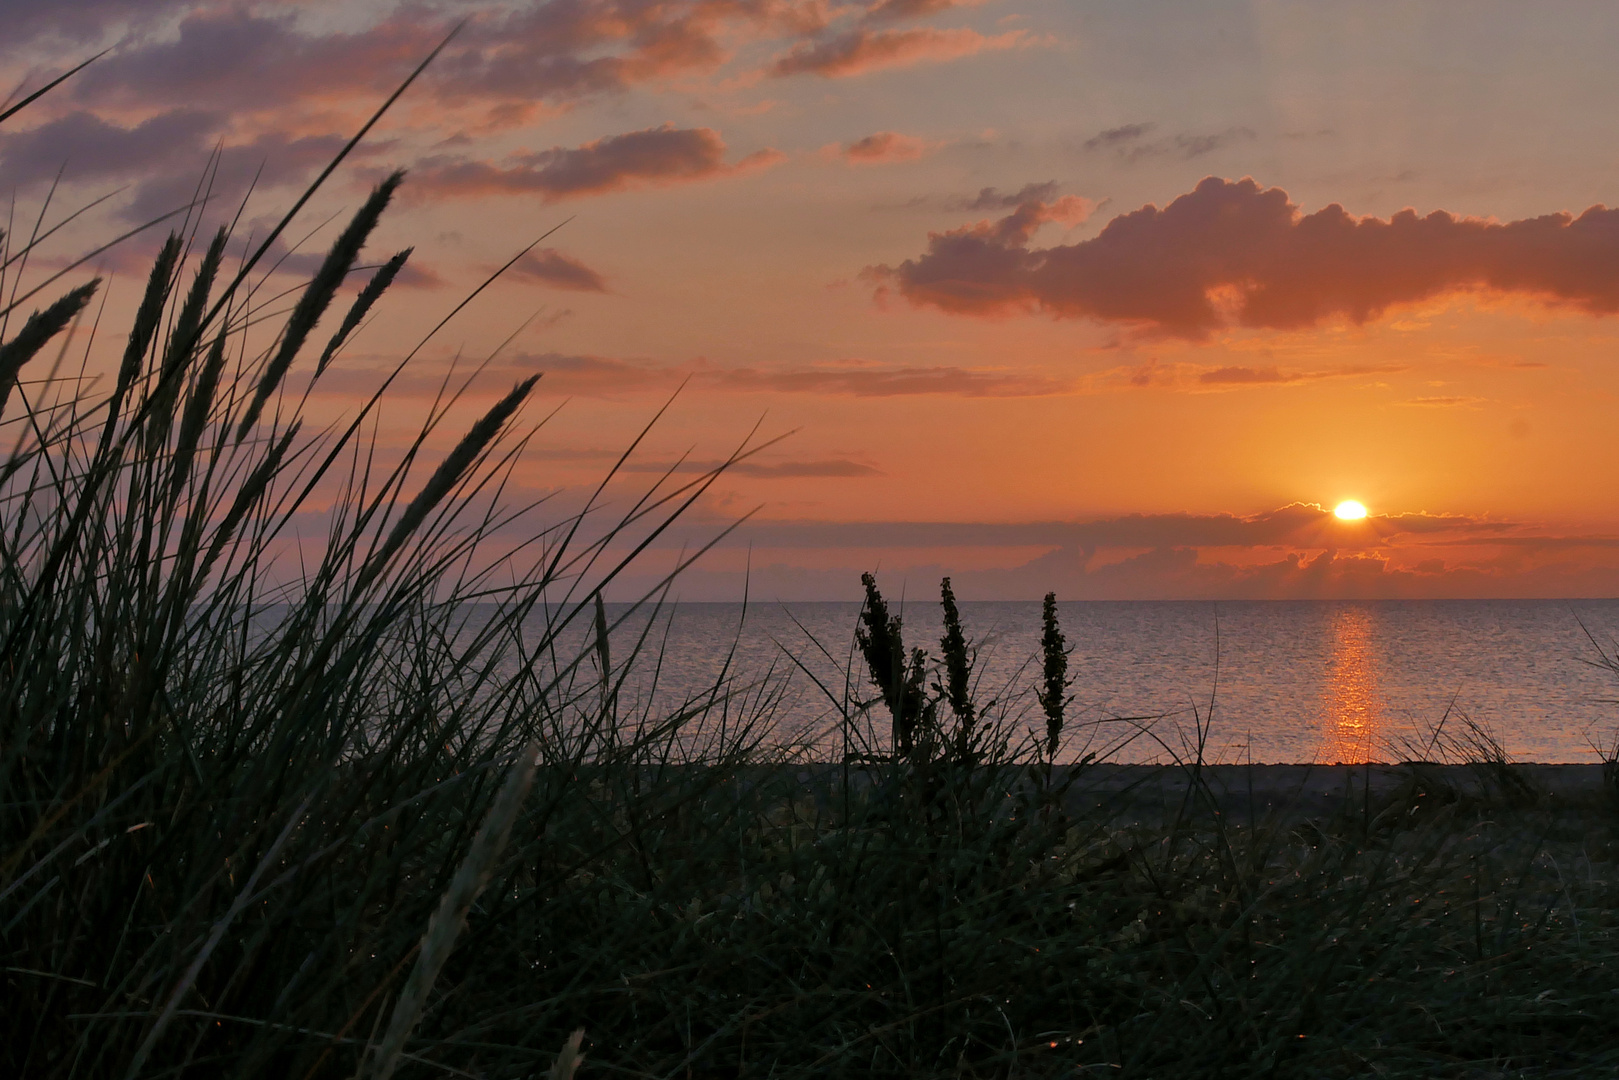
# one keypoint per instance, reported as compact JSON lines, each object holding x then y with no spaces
{"x":654,"y":157}
{"x":1231,"y":252}
{"x":884,"y":146}
{"x":859,"y":51}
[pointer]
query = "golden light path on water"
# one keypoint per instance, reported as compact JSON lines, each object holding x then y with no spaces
{"x":1354,"y":717}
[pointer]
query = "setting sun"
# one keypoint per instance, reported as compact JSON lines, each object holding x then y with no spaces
{"x":1350,"y":510}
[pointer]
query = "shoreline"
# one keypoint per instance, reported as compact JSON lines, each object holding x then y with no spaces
{"x":1317,"y":791}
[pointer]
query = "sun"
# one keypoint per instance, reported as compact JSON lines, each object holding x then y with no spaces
{"x":1349,"y":510}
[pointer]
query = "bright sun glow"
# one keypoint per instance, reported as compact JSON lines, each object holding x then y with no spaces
{"x":1350,"y":510}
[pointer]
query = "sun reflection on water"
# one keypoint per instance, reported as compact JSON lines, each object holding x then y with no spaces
{"x":1354,"y":718}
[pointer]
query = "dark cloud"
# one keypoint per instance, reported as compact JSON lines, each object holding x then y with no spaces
{"x":82,"y":146}
{"x":995,"y":199}
{"x":1286,"y":553}
{"x":169,"y":156}
{"x":1130,"y":142}
{"x":548,"y":266}
{"x":274,"y":70}
{"x":1299,"y":525}
{"x":263,"y":57}
{"x":654,"y":157}
{"x":268,"y":160}
{"x":1123,"y":136}
{"x":246,"y":62}
{"x":1230,"y":252}
{"x":1174,"y":574}
{"x":35,"y":24}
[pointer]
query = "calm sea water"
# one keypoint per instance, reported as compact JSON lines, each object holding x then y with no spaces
{"x":1285,"y":681}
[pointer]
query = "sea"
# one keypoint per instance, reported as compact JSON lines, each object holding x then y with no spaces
{"x":1263,"y":682}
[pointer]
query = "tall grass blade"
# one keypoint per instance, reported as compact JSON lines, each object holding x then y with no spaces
{"x":471,"y":877}
{"x":368,"y":296}
{"x":444,"y":479}
{"x":52,"y":85}
{"x":39,"y":329}
{"x":317,"y":297}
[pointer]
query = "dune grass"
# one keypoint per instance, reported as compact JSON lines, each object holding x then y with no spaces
{"x":383,"y":815}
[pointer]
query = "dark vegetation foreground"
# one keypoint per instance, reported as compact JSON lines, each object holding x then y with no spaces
{"x":375,"y":815}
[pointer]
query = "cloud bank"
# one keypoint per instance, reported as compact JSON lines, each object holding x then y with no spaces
{"x":1293,"y":552}
{"x":1231,"y":253}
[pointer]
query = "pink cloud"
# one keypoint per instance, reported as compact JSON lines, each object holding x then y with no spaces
{"x":654,"y":157}
{"x":884,"y":146}
{"x":1231,"y":252}
{"x":859,"y":51}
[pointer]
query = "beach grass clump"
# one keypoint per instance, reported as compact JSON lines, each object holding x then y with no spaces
{"x":373,"y":799}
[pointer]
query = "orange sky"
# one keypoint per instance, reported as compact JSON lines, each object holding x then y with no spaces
{"x":1112,"y":299}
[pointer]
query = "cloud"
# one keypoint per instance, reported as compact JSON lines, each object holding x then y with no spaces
{"x":1440,"y":402}
{"x":1295,"y":551}
{"x":896,"y":10}
{"x":994,"y":199}
{"x":273,"y":60}
{"x":1130,"y":142}
{"x":548,"y":266}
{"x":859,"y":380}
{"x":261,"y":58}
{"x":287,"y":71}
{"x":1233,"y":253}
{"x":1116,"y":138}
{"x":884,"y":146}
{"x":607,"y":375}
{"x":247,"y":62}
{"x":1243,"y":376}
{"x":171,"y":153}
{"x":85,"y":147}
{"x":829,"y":468}
{"x":856,"y":52}
{"x":83,"y":22}
{"x":1237,"y":375}
{"x":654,"y":157}
{"x":1300,"y":525}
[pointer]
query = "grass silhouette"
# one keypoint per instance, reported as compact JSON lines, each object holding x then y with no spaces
{"x":392,"y":818}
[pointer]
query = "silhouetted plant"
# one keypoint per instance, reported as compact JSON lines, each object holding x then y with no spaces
{"x":1053,"y":693}
{"x":957,"y":689}
{"x":899,"y":677}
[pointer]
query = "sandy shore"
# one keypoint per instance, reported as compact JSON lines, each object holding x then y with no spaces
{"x":1153,"y":792}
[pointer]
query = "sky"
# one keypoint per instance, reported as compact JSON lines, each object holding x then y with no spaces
{"x":1112,"y":299}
